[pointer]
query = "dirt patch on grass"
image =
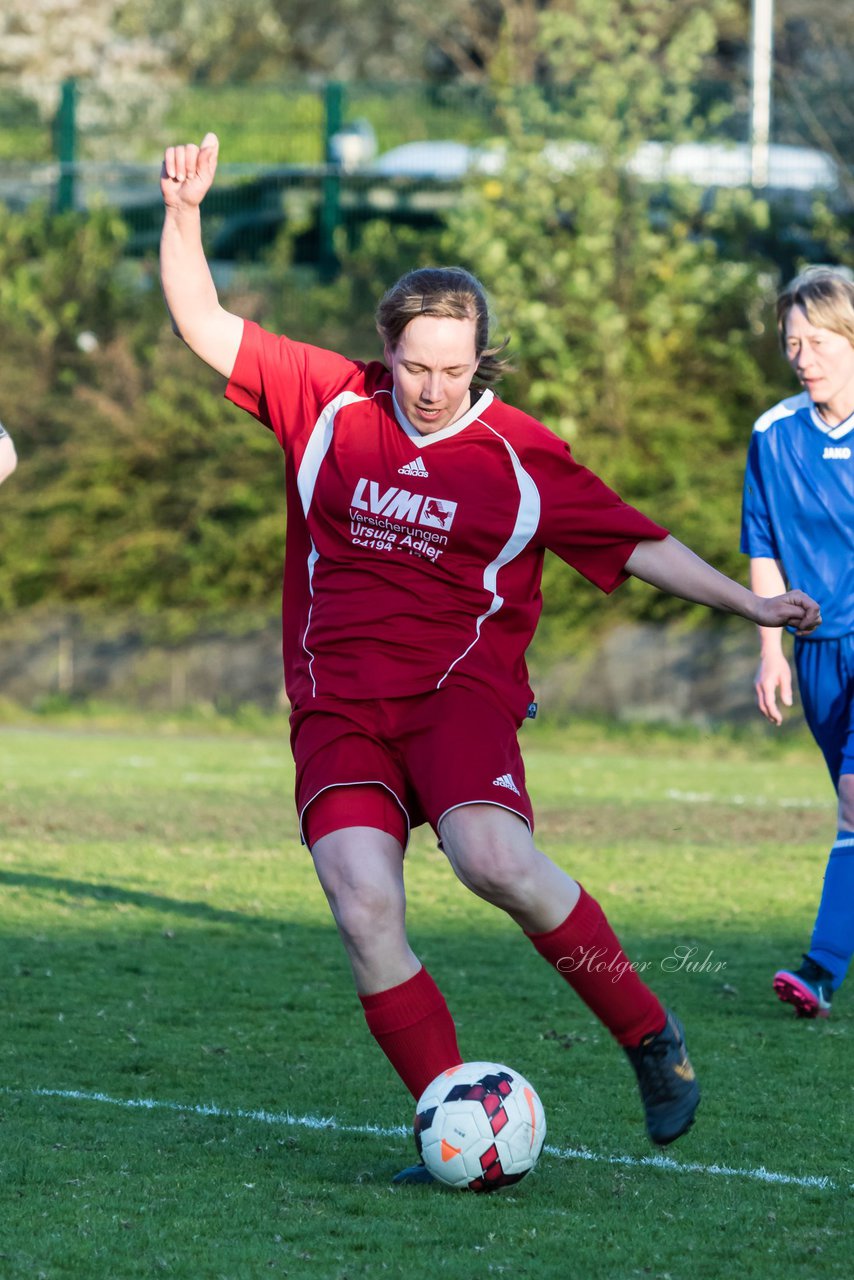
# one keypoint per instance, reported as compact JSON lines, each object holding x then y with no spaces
{"x":706,"y":824}
{"x":269,"y":819}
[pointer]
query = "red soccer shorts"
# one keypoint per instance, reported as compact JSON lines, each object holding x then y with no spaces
{"x":430,"y":753}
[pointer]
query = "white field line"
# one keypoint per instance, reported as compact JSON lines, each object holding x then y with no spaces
{"x":749,"y":801}
{"x":287,"y":1120}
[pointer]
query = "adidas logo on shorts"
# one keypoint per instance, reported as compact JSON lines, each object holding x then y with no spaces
{"x":415,"y":468}
{"x":506,"y":781}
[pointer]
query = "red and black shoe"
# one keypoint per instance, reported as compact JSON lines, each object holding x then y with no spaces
{"x":668,"y":1088}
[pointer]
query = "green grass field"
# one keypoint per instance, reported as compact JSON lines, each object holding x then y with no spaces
{"x":188,"y":1089}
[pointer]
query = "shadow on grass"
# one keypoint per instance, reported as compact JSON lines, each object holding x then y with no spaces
{"x":132,"y":897}
{"x":256,"y":1018}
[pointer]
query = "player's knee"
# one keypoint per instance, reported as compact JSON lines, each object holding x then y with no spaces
{"x":364,"y":913}
{"x":493,"y":869}
{"x":846,"y":802}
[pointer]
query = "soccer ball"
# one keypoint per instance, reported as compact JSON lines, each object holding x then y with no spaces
{"x":479,"y":1126}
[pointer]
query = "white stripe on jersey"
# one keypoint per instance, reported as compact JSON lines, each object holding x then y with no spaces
{"x":316,"y":450}
{"x":784,"y":409}
{"x":312,"y":561}
{"x":791,"y":405}
{"x":318,"y":444}
{"x":527,"y":520}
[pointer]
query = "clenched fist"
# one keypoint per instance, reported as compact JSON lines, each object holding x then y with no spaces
{"x":188,"y":172}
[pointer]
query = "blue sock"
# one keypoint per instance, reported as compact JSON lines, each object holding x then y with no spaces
{"x":833,"y":935}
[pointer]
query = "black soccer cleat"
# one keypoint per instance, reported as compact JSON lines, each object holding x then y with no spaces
{"x":414,"y":1173}
{"x":809,"y":989}
{"x":666,"y":1080}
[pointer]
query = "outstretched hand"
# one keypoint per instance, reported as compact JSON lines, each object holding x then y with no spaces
{"x":794,"y":609}
{"x":188,"y":172}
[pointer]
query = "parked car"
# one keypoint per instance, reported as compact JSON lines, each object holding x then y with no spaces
{"x":707,"y":164}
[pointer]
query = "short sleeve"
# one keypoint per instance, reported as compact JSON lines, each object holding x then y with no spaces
{"x":585,"y":522}
{"x":285,"y":384}
{"x":757,"y":534}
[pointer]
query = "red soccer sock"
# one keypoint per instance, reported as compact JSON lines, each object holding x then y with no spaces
{"x":586,"y":951}
{"x":413,"y":1026}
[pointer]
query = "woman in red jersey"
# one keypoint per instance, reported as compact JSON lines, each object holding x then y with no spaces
{"x":420,"y":507}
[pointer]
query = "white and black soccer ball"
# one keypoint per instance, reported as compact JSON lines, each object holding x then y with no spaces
{"x":479,"y":1126}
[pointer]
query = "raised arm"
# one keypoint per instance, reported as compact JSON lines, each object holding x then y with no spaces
{"x":209,"y":330}
{"x":673,"y":567}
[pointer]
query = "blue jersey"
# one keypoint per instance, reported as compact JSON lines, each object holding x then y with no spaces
{"x":798,"y":505}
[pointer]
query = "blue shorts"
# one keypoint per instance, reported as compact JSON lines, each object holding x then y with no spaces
{"x":826,"y":683}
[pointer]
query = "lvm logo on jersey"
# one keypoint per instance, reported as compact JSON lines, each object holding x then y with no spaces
{"x":400,"y":504}
{"x":377,"y":519}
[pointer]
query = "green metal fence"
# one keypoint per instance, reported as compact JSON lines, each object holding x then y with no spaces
{"x":286,"y":157}
{"x":286,"y":153}
{"x":283,"y":156}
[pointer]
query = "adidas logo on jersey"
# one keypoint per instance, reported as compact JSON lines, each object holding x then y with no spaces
{"x":506,"y":781}
{"x":837,"y":452}
{"x":415,"y":468}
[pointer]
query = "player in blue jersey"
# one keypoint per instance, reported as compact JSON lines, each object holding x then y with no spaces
{"x":798,"y":524}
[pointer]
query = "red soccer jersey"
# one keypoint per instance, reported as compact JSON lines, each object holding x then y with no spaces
{"x":413,"y":560}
